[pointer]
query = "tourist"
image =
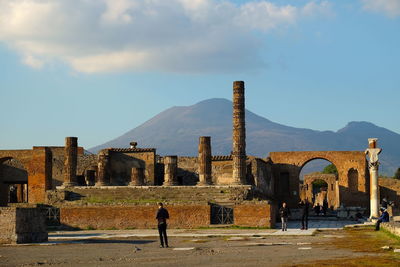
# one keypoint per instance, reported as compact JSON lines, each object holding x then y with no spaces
{"x":324,"y":207}
{"x":284,"y":212}
{"x":162,"y":216}
{"x":384,"y":218}
{"x":317,"y":209}
{"x":304,"y":214}
{"x":384,"y":203}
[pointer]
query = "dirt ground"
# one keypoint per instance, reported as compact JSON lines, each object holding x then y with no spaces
{"x":353,"y":247}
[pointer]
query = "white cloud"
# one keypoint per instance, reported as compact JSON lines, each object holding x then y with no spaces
{"x":133,"y":35}
{"x":390,"y":8}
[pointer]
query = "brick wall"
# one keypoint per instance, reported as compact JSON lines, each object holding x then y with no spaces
{"x":139,"y":216}
{"x":22,"y":225}
{"x":390,"y":188}
{"x":255,"y":214}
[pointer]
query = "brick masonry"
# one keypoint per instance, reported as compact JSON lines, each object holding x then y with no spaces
{"x":22,"y":225}
{"x":37,"y":163}
{"x":353,"y":176}
{"x":143,"y":216}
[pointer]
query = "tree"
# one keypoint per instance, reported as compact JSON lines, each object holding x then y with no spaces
{"x":330,"y":169}
{"x":397,"y":174}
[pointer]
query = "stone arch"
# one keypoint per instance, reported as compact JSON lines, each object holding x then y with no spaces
{"x":343,"y":160}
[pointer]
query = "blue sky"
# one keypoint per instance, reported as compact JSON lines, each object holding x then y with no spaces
{"x":96,"y":69}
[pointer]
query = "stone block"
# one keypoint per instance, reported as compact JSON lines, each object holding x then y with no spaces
{"x":22,"y":225}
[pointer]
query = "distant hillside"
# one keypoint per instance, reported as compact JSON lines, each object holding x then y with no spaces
{"x":177,"y":129}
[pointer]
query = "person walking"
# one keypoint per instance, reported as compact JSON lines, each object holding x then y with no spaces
{"x":162,"y":216}
{"x":384,"y":218}
{"x":284,"y":212}
{"x":304,"y":214}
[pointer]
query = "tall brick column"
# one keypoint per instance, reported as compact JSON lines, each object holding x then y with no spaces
{"x":102,"y":172}
{"x":170,"y":168}
{"x":70,"y":161}
{"x":204,"y":160}
{"x":137,"y":176}
{"x":239,"y":134}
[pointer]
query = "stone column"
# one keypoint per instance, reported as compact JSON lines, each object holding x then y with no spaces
{"x":239,"y":134}
{"x":170,"y":168}
{"x":137,"y":176}
{"x":102,"y":172}
{"x":20,"y":193}
{"x":204,"y":160}
{"x":70,"y":161}
{"x":373,"y":166}
{"x":90,"y":177}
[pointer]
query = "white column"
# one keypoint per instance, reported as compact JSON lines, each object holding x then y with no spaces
{"x":374,"y":188}
{"x":373,"y":166}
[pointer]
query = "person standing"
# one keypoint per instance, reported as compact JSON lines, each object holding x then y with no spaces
{"x":284,"y":212}
{"x":304,"y":214}
{"x":162,"y":216}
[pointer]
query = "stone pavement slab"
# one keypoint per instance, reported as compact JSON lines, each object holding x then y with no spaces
{"x":239,"y":234}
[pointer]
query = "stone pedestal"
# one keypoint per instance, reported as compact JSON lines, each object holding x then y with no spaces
{"x":170,"y":169}
{"x":204,"y":160}
{"x":239,"y":134}
{"x":22,"y":225}
{"x":70,"y":161}
{"x":102,"y":169}
{"x":137,"y":177}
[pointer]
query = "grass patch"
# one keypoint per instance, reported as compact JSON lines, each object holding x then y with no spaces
{"x":364,"y":240}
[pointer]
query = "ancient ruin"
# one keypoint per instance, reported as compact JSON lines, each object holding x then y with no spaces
{"x":84,"y":188}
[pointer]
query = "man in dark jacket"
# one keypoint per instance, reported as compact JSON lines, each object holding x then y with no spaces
{"x":384,"y":218}
{"x":162,"y":216}
{"x":304,"y":214}
{"x":284,"y":212}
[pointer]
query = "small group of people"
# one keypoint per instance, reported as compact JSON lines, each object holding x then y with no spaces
{"x":318,"y":209}
{"x":284,"y":213}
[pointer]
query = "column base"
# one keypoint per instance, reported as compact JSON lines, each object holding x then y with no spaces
{"x":170,"y":184}
{"x":203,"y":184}
{"x":69,"y":184}
{"x":135,"y":184}
{"x":98,"y":184}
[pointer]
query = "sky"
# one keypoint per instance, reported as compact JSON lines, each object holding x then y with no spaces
{"x":98,"y":68}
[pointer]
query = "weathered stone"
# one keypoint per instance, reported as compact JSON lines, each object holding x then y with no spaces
{"x":102,"y":169}
{"x":70,"y":161}
{"x":373,"y":165}
{"x":239,"y":134}
{"x":22,"y":225}
{"x":170,"y":169}
{"x":204,"y":160}
{"x":137,"y":177}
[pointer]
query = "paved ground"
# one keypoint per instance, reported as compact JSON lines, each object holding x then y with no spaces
{"x":293,"y":229}
{"x":200,"y":247}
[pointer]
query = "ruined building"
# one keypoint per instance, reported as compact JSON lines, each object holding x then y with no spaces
{"x":119,"y":187}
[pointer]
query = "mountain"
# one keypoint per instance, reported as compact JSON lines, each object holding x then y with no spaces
{"x":176,"y":130}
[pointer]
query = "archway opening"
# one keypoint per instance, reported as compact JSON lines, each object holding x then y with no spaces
{"x":13,"y":181}
{"x":352,"y":176}
{"x":319,"y":184}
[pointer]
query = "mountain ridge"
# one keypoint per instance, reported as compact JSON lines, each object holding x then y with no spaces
{"x":176,"y":131}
